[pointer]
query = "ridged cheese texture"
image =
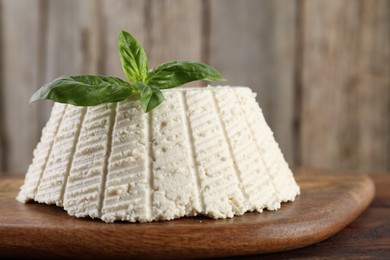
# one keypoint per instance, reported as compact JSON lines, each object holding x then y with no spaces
{"x":203,"y":151}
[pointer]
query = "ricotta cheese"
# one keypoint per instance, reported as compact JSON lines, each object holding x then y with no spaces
{"x":205,"y":151}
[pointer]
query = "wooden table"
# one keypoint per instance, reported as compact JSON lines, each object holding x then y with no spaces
{"x":367,"y":237}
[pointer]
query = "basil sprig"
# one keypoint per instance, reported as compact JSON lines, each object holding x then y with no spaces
{"x":176,"y":73}
{"x":85,"y":90}
{"x":133,"y":58}
{"x":90,"y":90}
{"x":151,"y":96}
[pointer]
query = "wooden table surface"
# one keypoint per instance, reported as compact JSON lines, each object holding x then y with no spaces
{"x":367,"y":237}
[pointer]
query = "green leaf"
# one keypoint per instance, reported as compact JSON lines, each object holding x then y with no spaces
{"x":133,"y":58}
{"x":177,"y":73}
{"x":90,"y":90}
{"x":85,"y":90}
{"x":151,"y":96}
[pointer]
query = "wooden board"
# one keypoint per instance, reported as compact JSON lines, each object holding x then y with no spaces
{"x":328,"y":203}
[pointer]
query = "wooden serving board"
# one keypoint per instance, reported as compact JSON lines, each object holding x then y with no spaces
{"x":327,"y":204}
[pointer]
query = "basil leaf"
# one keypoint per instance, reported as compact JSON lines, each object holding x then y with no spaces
{"x":85,"y":90}
{"x":176,"y":73}
{"x":133,"y":58}
{"x":151,"y":96}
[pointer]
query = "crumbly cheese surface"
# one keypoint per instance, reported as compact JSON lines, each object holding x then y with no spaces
{"x":205,"y":151}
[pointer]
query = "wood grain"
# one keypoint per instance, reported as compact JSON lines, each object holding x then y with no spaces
{"x":20,"y":77}
{"x":174,"y":31}
{"x":346,"y":85}
{"x":63,"y":42}
{"x":328,"y":203}
{"x":253,"y":43}
{"x":1,"y":151}
{"x":382,"y":196}
{"x":2,"y":168}
{"x":156,"y":24}
{"x":368,"y":237}
{"x":115,"y":16}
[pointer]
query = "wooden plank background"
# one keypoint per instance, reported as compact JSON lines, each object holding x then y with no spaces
{"x":321,"y":68}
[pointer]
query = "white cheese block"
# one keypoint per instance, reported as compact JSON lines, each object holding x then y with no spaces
{"x":205,"y":151}
{"x":87,"y":175}
{"x":127,"y":178}
{"x":54,"y":177}
{"x":41,"y":154}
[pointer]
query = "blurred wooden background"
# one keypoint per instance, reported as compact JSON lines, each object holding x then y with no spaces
{"x":321,"y":67}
